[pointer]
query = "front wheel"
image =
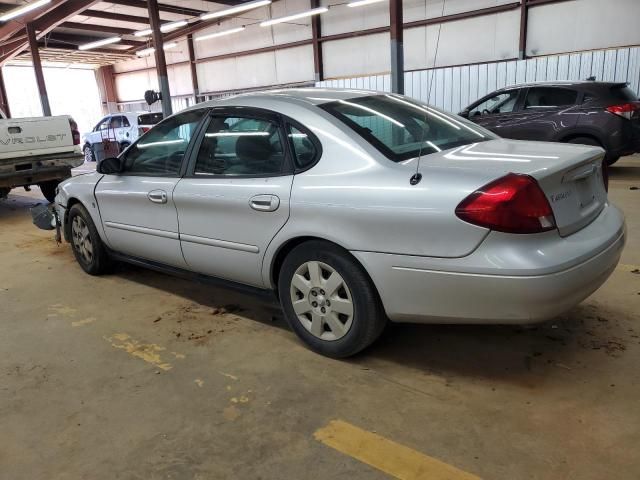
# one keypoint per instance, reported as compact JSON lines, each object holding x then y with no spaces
{"x":88,"y":153}
{"x":48,"y":189}
{"x":329,"y":300}
{"x":86,"y":244}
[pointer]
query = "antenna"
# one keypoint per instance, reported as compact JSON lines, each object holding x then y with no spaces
{"x":415,"y":179}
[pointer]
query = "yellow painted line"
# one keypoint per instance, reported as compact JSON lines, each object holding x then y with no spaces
{"x":82,"y":323}
{"x":627,"y":268}
{"x":390,"y":457}
{"x":149,"y":352}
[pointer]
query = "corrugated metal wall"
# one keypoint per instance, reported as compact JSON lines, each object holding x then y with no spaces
{"x":453,"y":88}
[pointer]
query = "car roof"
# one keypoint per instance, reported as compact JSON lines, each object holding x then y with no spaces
{"x":563,"y":83}
{"x":311,"y":95}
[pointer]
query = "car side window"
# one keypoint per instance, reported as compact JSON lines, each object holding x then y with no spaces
{"x":125,"y":122}
{"x":503,"y":102}
{"x":234,"y":145}
{"x":549,"y":97}
{"x":161,"y":151}
{"x":304,"y":150}
{"x":116,"y":122}
{"x":105,"y":124}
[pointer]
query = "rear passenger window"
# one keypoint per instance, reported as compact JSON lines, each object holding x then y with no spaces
{"x":304,"y":150}
{"x":548,"y":97}
{"x":240,"y":146}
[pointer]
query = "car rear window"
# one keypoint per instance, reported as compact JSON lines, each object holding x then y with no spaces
{"x":149,"y":118}
{"x":402,"y":128}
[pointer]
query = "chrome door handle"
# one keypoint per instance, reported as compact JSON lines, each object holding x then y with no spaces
{"x":157,"y":196}
{"x":264,"y":203}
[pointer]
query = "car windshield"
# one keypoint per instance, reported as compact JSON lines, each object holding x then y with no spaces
{"x":401,"y":128}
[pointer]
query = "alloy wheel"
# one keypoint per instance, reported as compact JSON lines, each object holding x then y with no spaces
{"x":322,"y":300}
{"x":82,"y":239}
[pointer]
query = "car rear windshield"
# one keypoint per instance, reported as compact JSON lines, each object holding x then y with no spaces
{"x":402,"y":128}
{"x":623,"y":93}
{"x":149,"y":118}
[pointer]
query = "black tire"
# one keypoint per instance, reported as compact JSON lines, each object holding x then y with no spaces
{"x":124,"y":146}
{"x":4,"y":193}
{"x":89,"y":155}
{"x":48,"y":189}
{"x":98,"y":262}
{"x":368,"y":319}
{"x":609,"y":160}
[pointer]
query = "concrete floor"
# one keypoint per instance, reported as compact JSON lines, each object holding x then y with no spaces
{"x":138,"y":375}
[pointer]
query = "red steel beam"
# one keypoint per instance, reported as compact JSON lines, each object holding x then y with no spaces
{"x":37,"y":68}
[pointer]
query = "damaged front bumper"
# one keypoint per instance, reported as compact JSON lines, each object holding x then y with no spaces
{"x":46,"y":217}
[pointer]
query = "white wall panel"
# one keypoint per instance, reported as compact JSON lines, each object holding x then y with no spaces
{"x":420,"y":9}
{"x":582,"y":25}
{"x":341,"y":19}
{"x":131,"y":86}
{"x":179,"y":79}
{"x":367,"y":55}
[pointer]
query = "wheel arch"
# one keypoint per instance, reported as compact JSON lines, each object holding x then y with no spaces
{"x":577,"y":134}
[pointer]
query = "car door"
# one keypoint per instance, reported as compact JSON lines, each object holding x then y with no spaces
{"x":95,"y":136}
{"x":496,"y":112}
{"x":235,"y":196}
{"x":546,"y":112}
{"x":136,"y":205}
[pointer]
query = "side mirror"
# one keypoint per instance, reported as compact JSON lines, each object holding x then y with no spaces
{"x":464,"y":114}
{"x":109,"y":166}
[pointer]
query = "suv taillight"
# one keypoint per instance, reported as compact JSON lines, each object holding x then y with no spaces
{"x":513,"y":204}
{"x":75,"y":133}
{"x":625,"y":110}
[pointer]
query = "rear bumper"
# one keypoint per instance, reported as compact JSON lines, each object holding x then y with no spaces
{"x":508,"y":279}
{"x":18,"y":172}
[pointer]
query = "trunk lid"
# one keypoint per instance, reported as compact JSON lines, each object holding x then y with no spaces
{"x":35,"y":136}
{"x":569,"y":175}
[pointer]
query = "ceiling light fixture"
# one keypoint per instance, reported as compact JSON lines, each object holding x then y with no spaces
{"x":360,"y":3}
{"x":233,"y":10}
{"x":167,"y":27}
{"x":16,"y":12}
{"x":296,"y":16}
{"x":149,"y":51}
{"x":219,"y":34}
{"x":99,"y":43}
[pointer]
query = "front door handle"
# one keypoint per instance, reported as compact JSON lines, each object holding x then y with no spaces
{"x":264,"y":203}
{"x":157,"y":196}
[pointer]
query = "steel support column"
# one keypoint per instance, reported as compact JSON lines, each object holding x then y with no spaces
{"x":316,"y":34}
{"x":522,"y":45}
{"x":37,"y":68}
{"x":194,"y":70}
{"x":4,"y":100}
{"x":397,"y":48}
{"x":161,"y":63}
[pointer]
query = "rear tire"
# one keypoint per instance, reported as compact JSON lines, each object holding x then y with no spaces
{"x":48,"y":189}
{"x":86,"y":243}
{"x":89,"y":156}
{"x":329,"y":300}
{"x":608,"y":159}
{"x":4,"y":193}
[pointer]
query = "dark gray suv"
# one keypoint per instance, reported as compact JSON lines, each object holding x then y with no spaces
{"x":605,"y":114}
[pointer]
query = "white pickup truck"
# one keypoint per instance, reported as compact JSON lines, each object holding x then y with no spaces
{"x":37,"y":151}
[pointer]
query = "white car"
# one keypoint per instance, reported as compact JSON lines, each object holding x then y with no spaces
{"x":125,"y":128}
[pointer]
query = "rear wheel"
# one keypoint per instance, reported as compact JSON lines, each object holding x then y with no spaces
{"x":48,"y":189}
{"x":609,"y":160}
{"x":329,"y":300}
{"x":4,"y":192}
{"x":86,"y":244}
{"x":88,"y":153}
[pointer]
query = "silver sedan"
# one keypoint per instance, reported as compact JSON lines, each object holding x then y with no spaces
{"x":355,"y":208}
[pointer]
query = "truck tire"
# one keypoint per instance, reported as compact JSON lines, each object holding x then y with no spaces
{"x":48,"y":189}
{"x":4,"y":193}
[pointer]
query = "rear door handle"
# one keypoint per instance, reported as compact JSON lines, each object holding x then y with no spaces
{"x":157,"y":196}
{"x":264,"y":203}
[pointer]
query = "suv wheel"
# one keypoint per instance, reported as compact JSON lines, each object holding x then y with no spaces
{"x":88,"y":153}
{"x":329,"y":300}
{"x":86,"y":244}
{"x":609,"y":160}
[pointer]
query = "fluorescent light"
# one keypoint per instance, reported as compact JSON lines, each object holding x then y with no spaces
{"x":308,"y":13}
{"x":99,"y":43}
{"x":237,"y":134}
{"x":219,"y":34}
{"x":238,"y":9}
{"x":360,"y":3}
{"x":16,"y":12}
{"x":164,"y":28}
{"x":149,"y":51}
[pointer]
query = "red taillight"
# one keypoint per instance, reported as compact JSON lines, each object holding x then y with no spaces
{"x":626,"y":110}
{"x":513,"y":204}
{"x":75,"y":133}
{"x":605,"y":175}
